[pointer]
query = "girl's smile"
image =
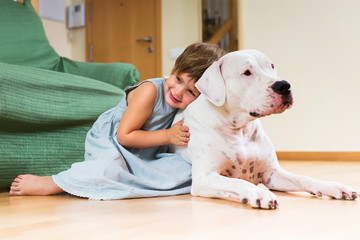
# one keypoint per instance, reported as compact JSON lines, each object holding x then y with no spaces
{"x":173,"y":98}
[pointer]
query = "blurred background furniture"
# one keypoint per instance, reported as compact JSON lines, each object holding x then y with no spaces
{"x":47,"y":102}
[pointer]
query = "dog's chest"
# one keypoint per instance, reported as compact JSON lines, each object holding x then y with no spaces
{"x":243,"y":163}
{"x":240,"y":153}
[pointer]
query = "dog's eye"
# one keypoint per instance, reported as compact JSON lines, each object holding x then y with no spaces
{"x":247,"y":72}
{"x":272,"y":66}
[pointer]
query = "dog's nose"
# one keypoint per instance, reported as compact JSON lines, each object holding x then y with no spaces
{"x":281,"y":87}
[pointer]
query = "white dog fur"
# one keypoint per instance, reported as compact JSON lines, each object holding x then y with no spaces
{"x":228,"y":149}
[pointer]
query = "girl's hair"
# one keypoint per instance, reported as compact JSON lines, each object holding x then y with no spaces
{"x":196,"y":58}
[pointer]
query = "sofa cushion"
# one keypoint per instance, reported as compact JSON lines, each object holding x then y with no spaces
{"x":23,"y":40}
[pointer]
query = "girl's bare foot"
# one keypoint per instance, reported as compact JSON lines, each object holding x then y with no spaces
{"x":34,"y":185}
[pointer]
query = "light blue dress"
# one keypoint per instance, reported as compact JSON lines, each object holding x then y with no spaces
{"x":111,"y":171}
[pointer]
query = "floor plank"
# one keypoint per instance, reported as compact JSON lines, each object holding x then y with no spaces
{"x":300,"y":216}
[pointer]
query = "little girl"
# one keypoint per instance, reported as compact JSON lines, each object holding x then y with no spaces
{"x":126,"y":150}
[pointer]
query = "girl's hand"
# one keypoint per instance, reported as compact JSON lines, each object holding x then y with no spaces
{"x":178,"y":134}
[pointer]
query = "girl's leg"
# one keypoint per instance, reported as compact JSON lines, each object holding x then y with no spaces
{"x":34,"y":185}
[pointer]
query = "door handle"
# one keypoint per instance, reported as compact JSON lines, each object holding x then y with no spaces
{"x":147,"y":39}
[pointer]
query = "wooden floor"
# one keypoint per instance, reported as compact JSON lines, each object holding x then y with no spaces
{"x":300,"y":216}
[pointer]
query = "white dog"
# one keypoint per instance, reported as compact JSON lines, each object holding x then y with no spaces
{"x":228,"y":149}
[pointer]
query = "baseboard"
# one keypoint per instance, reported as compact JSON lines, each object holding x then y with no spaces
{"x":321,"y":156}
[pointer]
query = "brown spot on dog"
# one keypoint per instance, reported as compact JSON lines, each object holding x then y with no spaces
{"x":238,"y":159}
{"x":224,"y":153}
{"x":253,"y":137}
{"x":268,"y":181}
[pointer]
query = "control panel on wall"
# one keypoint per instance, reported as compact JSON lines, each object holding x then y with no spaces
{"x":76,"y":16}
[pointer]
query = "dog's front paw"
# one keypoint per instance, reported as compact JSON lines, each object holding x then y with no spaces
{"x":336,"y":191}
{"x":261,"y":198}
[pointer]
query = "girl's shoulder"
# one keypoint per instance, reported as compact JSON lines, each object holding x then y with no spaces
{"x":149,"y":89}
{"x":145,"y":91}
{"x":158,"y":82}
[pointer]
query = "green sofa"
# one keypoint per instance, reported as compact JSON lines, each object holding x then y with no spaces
{"x":47,"y":102}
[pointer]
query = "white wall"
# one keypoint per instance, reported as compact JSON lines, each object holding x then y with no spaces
{"x":315,"y":45}
{"x":181,"y":26}
{"x":70,"y":43}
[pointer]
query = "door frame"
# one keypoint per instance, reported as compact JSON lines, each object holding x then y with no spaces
{"x":158,"y":35}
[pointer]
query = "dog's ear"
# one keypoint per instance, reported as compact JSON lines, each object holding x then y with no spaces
{"x":212,"y":84}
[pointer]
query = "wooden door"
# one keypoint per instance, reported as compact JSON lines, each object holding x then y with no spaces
{"x":125,"y":31}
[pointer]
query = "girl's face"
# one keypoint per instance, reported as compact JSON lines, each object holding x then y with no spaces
{"x":180,"y":90}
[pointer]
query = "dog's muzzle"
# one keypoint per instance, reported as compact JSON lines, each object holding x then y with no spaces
{"x":283,"y":88}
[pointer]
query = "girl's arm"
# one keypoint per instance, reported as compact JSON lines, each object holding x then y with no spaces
{"x":140,"y":104}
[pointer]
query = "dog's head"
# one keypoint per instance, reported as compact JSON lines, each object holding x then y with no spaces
{"x":246,"y":81}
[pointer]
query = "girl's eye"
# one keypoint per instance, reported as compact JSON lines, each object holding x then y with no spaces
{"x":247,"y":72}
{"x":178,"y":79}
{"x":192,"y":93}
{"x":272,"y":66}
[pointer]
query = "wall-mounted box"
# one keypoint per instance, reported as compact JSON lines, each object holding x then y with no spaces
{"x":76,"y":16}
